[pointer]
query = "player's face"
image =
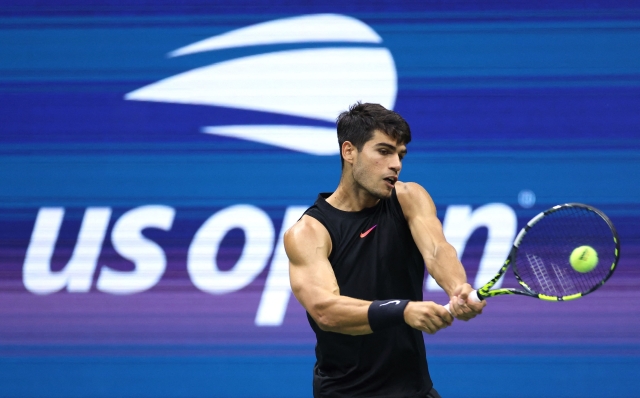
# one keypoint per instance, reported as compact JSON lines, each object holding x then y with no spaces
{"x":377,"y":167}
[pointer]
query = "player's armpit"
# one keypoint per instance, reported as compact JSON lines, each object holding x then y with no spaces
{"x":314,"y":284}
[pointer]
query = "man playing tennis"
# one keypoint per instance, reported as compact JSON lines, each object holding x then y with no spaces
{"x":357,"y":260}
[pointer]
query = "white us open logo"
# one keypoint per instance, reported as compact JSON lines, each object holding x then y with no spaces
{"x":263,"y":249}
{"x":315,"y":83}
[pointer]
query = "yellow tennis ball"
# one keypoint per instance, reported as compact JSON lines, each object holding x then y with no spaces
{"x":583,"y":258}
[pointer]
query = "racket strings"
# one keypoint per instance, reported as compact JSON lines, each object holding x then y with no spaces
{"x":542,"y":262}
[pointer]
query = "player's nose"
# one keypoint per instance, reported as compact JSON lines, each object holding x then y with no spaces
{"x":396,"y":164}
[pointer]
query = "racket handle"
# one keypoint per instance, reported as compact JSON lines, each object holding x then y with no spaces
{"x":473,"y":296}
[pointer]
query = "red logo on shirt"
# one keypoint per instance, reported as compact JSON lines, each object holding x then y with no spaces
{"x":362,"y":235}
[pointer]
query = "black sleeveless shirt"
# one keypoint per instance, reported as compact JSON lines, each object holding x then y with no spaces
{"x":373,"y":257}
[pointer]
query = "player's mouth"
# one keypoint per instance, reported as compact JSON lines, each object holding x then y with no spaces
{"x":391,"y":181}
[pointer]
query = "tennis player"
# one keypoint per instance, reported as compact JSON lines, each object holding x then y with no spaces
{"x":357,"y":259}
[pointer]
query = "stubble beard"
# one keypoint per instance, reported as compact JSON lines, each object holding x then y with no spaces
{"x":359,"y":176}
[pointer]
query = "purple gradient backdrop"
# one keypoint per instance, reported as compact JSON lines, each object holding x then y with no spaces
{"x":175,"y":318}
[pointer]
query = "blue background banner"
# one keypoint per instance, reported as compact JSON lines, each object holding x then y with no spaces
{"x":152,"y":156}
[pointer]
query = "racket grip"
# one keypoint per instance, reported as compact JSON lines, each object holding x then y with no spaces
{"x":473,"y":296}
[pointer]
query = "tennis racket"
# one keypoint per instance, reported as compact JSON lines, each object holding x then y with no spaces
{"x":540,"y":255}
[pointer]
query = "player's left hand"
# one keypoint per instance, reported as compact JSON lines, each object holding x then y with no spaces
{"x":461,"y":306}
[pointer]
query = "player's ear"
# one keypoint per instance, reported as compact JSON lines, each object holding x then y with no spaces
{"x":348,"y":151}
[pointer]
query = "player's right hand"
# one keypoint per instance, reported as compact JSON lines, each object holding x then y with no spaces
{"x":427,"y":316}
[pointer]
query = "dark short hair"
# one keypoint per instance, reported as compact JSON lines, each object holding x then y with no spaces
{"x":358,"y":124}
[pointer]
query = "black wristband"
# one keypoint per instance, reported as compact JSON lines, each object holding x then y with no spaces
{"x":386,"y":313}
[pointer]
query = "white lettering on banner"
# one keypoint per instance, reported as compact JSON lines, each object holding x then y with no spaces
{"x":201,"y":260}
{"x":501,"y":222}
{"x":150,"y":261}
{"x":149,"y":258}
{"x":277,"y":289}
{"x":77,"y":275}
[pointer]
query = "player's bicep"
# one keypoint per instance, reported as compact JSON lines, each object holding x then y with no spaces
{"x":312,"y":279}
{"x":420,"y":213}
{"x":427,"y":233}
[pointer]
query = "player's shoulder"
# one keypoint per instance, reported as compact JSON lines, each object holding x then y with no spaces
{"x":413,"y":198}
{"x":307,"y":231}
{"x":410,"y":191}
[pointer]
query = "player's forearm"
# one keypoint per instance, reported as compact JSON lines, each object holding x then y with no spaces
{"x":341,"y":314}
{"x":445,"y":268}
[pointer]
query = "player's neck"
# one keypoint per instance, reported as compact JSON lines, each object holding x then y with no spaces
{"x":350,"y":196}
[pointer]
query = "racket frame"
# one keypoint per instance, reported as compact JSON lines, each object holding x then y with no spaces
{"x":485,"y":292}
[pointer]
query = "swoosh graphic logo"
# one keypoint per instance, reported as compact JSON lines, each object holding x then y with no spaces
{"x":312,"y":83}
{"x":309,"y":139}
{"x":362,"y":235}
{"x":315,"y":28}
{"x":395,"y":302}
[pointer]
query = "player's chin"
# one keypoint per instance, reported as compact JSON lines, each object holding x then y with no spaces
{"x":384,"y":194}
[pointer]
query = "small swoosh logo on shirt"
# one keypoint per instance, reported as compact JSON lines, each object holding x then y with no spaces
{"x":365,"y":233}
{"x":396,"y":302}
